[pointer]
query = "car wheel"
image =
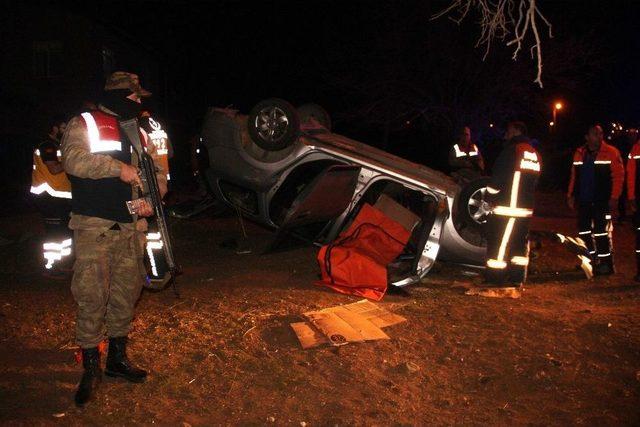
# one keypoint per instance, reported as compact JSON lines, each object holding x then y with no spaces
{"x":472,"y":207}
{"x":315,"y":112}
{"x":273,"y":124}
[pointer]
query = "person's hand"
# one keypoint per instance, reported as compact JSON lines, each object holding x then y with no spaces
{"x":571,"y":202}
{"x":162,"y":187}
{"x":145,"y":209}
{"x":129,"y":174}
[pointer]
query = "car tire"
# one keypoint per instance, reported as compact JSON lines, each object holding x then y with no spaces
{"x":316,"y":112}
{"x":273,"y":124}
{"x":471,"y":208}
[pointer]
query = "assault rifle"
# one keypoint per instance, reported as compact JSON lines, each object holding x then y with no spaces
{"x":163,"y":268}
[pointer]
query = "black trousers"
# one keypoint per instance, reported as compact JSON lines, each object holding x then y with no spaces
{"x":507,"y":250}
{"x":595,"y":228}
{"x":55,"y":213}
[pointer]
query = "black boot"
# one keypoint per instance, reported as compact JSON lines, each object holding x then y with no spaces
{"x":91,"y":377}
{"x":604,"y":268}
{"x":118,"y":365}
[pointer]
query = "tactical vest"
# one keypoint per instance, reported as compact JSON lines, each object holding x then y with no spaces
{"x":43,"y":181}
{"x":105,"y":197}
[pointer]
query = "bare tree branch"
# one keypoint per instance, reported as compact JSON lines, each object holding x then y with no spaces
{"x":497,"y":21}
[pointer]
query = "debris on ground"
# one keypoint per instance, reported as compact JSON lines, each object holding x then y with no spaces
{"x":409,"y":368}
{"x":239,"y":246}
{"x":513,"y":293}
{"x":357,"y":322}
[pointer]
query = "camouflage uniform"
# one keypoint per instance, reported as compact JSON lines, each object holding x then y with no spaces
{"x":108,"y":272}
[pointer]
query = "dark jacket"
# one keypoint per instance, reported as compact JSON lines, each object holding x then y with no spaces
{"x":609,"y":173}
{"x":515,"y":175}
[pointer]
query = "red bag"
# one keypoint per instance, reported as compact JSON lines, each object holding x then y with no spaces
{"x":356,"y":262}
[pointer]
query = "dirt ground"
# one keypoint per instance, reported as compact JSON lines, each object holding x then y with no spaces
{"x":567,"y":352}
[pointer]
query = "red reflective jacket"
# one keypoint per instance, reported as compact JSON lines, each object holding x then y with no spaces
{"x":609,"y":172}
{"x":632,"y":171}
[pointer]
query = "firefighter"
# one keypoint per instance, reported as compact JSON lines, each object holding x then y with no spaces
{"x":632,"y":188}
{"x":597,"y":176}
{"x":465,"y":160}
{"x":52,"y":196}
{"x":157,"y":134}
{"x":108,"y":273}
{"x":511,"y":194}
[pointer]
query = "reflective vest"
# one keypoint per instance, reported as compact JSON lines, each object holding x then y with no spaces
{"x":632,"y":172}
{"x":609,"y":173}
{"x":43,"y":181}
{"x":105,"y":197}
{"x":461,"y":153}
{"x":154,"y":132}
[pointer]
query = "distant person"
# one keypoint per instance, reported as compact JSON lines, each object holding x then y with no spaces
{"x":597,"y":176}
{"x":108,"y":273}
{"x":633,"y":183}
{"x":465,"y":160}
{"x":511,"y":193}
{"x":52,"y":196}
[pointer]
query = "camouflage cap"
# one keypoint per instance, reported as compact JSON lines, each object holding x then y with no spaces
{"x":124,"y":80}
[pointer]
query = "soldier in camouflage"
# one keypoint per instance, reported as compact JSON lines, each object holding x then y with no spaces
{"x":108,"y":272}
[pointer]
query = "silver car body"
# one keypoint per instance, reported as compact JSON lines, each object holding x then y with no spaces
{"x":235,"y":159}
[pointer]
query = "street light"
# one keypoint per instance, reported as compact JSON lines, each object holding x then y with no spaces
{"x":557,"y":106}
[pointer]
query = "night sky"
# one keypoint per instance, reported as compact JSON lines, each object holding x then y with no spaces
{"x":238,"y":52}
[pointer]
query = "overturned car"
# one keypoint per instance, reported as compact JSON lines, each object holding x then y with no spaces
{"x":284,"y":168}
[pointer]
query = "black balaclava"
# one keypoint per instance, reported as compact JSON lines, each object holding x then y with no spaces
{"x":117,"y":101}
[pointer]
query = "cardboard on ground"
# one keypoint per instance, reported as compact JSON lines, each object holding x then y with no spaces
{"x":357,"y":322}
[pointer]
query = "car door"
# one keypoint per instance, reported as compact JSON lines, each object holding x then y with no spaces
{"x":318,"y":205}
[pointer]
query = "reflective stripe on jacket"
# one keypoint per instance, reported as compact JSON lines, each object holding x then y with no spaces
{"x":632,"y":171}
{"x":609,"y":173}
{"x":459,"y":158}
{"x":43,"y":181}
{"x":514,"y":178}
{"x":155,"y":133}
